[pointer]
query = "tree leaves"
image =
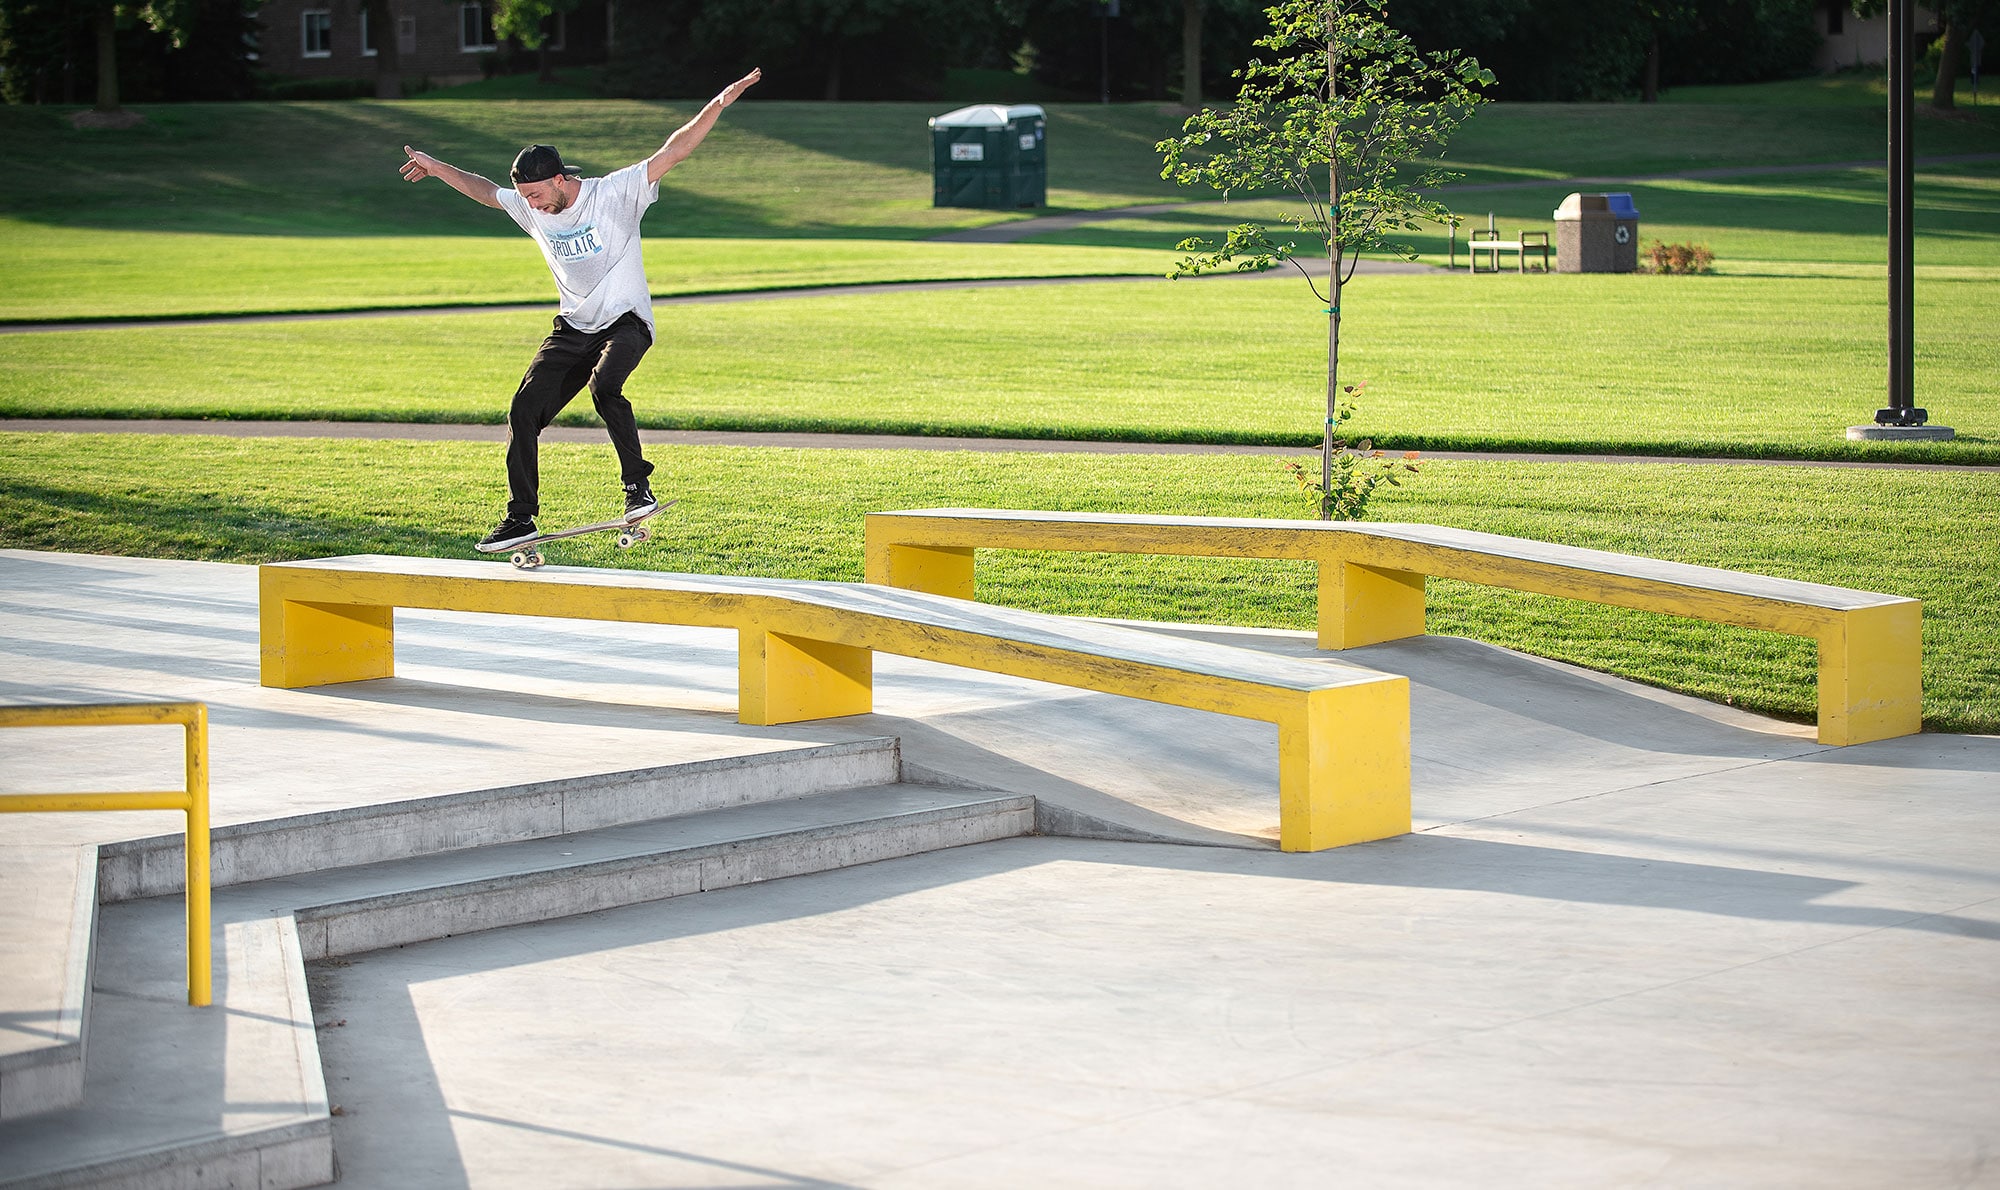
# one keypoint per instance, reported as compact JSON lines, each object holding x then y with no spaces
{"x":1341,"y":116}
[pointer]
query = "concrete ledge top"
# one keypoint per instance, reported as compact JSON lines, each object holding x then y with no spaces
{"x":1469,"y":541}
{"x":888,"y":606}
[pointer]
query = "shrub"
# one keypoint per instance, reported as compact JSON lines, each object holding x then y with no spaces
{"x":1678,"y":258}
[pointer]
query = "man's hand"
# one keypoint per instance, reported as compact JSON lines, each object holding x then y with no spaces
{"x":472,"y":186}
{"x":734,"y":91}
{"x":690,"y":134}
{"x":419,"y":166}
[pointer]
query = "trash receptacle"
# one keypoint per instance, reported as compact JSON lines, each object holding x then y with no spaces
{"x":990,"y":155}
{"x":1597,"y":233}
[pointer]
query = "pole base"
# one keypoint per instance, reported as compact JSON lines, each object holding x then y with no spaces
{"x":1898,"y":433}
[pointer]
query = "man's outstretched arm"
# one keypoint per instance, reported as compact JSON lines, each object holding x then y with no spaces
{"x":688,"y":135}
{"x":472,"y":186}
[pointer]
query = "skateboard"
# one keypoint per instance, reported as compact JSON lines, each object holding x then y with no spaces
{"x":630,"y":533}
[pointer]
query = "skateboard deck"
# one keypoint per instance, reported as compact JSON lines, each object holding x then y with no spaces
{"x":526,"y":555}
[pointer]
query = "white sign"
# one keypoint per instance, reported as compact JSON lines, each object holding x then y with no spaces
{"x":1027,"y":141}
{"x":965,"y":152}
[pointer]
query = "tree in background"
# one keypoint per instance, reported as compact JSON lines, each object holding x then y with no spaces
{"x":1959,"y":18}
{"x":1585,"y":50}
{"x":388,"y":53}
{"x":1157,"y":49}
{"x":808,"y":49}
{"x":527,"y":22}
{"x":56,"y":51}
{"x":1337,"y":119}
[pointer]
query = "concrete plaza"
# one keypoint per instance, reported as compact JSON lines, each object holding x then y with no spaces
{"x":1635,"y":940}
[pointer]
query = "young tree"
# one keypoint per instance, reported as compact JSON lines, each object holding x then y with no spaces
{"x":1344,"y":118}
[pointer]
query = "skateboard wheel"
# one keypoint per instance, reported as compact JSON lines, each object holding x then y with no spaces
{"x":519,"y":559}
{"x":534,"y":559}
{"x":626,"y":540}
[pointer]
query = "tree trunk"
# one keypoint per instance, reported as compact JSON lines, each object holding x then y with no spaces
{"x":107,"y":57}
{"x":1191,"y":53}
{"x":1947,"y":79}
{"x":545,"y":66}
{"x":832,"y":71}
{"x":388,"y":50}
{"x":1332,"y":274}
{"x":1649,"y":85}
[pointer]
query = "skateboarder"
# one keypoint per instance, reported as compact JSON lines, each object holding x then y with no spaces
{"x":588,"y":229}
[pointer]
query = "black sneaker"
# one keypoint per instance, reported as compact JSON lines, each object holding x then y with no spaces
{"x":512,"y":532}
{"x":639,"y":500}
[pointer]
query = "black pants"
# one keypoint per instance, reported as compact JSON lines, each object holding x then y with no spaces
{"x":568,"y":360}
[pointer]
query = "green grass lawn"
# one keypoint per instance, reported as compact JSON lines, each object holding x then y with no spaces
{"x":798,"y":514}
{"x":1752,"y":366}
{"x":147,"y":274}
{"x":246,"y":189}
{"x":1803,"y":224}
{"x":1788,"y":224}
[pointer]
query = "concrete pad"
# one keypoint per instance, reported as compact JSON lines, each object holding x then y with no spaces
{"x":1441,"y":1010}
{"x":1638,"y":938}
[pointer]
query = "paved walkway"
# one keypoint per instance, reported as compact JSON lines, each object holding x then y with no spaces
{"x":1636,"y":940}
{"x":431,"y":431}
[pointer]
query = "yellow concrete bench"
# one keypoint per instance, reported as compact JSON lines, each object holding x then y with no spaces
{"x":1371,"y":587}
{"x":806,"y":651}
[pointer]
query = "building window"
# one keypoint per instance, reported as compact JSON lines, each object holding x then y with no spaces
{"x":316,"y":33}
{"x":367,"y":34}
{"x":406,"y":35}
{"x":475,"y":29}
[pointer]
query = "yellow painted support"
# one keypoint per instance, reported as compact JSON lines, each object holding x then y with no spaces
{"x":191,"y":801}
{"x":1871,"y":682}
{"x":790,"y":679}
{"x":945,"y":571}
{"x":1362,"y":605}
{"x":1344,"y":767}
{"x":314,"y":644}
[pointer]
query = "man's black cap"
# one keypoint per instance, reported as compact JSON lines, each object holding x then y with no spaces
{"x":539,"y":163}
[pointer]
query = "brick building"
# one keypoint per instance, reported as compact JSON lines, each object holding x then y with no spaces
{"x":442,"y":41}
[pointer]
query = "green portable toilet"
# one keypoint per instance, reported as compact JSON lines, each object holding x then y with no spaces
{"x":990,"y":155}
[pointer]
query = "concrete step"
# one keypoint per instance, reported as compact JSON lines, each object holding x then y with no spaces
{"x":225,"y":1096}
{"x":232,"y":1095}
{"x":244,"y":852}
{"x":48,"y":919}
{"x":353,"y":910}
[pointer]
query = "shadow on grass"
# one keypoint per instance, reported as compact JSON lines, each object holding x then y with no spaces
{"x":43,"y":516}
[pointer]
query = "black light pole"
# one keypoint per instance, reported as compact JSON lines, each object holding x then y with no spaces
{"x":1902,"y":409}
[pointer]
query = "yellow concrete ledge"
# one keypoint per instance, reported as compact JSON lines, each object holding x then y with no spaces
{"x":806,"y":651}
{"x":1371,"y":587}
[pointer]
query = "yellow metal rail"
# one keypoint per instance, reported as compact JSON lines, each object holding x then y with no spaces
{"x":192,"y":801}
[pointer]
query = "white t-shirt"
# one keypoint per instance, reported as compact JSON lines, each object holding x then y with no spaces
{"x":593,"y":247}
